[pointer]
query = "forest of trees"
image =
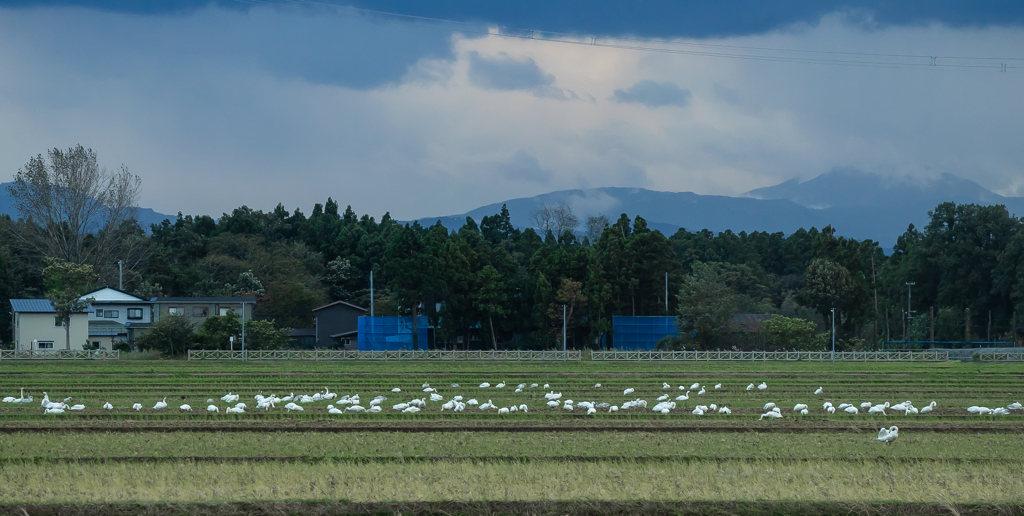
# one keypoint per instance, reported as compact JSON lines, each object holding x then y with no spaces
{"x":508,"y":285}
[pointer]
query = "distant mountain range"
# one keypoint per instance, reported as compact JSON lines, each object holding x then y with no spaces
{"x":858,"y":204}
{"x":146,"y":215}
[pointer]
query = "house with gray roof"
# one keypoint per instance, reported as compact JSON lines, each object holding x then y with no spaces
{"x":117,"y":317}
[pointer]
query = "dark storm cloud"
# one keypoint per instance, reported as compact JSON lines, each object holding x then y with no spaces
{"x":651,"y":18}
{"x":654,"y":94}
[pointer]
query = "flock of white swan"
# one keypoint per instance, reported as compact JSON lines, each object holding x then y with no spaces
{"x":664,"y":405}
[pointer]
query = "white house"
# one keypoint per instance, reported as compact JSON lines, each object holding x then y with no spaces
{"x":36,"y":326}
{"x":117,"y":317}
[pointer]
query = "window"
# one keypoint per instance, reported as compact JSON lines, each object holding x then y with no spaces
{"x":46,"y":345}
{"x":57,"y":323}
{"x":176,"y":310}
{"x":112,"y":314}
{"x":99,"y":314}
{"x":200,"y":311}
{"x":223,"y":310}
{"x":135,"y":313}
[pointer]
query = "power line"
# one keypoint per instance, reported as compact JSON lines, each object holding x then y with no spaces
{"x":713,"y":50}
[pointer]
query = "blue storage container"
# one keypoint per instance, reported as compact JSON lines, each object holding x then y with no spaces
{"x":389,"y":333}
{"x":641,"y":333}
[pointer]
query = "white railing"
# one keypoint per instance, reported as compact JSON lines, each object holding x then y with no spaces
{"x":998,"y":356}
{"x":60,"y":354}
{"x":511,"y":355}
{"x":813,"y":356}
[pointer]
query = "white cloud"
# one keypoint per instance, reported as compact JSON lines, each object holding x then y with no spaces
{"x":213,"y":114}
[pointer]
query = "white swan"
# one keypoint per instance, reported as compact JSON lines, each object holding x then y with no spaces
{"x":160,"y":405}
{"x":628,"y":391}
{"x":108,"y":406}
{"x":818,"y":391}
{"x":762,"y":386}
{"x":851,"y":410}
{"x":665,"y":385}
{"x":888,"y":435}
{"x":186,"y":407}
{"x":718,"y":386}
{"x":750,"y":387}
{"x":768,"y":406}
{"x":76,"y":407}
{"x":212,"y":408}
{"x":137,"y":406}
{"x":799,"y":406}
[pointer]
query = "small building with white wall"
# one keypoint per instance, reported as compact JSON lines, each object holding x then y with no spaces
{"x":117,"y":317}
{"x":36,"y":326}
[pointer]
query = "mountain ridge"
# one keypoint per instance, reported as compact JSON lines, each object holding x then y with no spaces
{"x":857,"y":204}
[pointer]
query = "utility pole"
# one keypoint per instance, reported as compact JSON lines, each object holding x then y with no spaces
{"x":243,"y":330}
{"x":371,"y":292}
{"x":666,"y":293}
{"x":120,"y":275}
{"x":565,"y":349}
{"x":833,"y":334}
{"x":910,"y":313}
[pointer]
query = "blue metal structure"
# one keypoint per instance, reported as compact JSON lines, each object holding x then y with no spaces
{"x":641,"y":333}
{"x":389,"y":333}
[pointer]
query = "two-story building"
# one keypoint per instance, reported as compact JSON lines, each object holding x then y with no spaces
{"x":36,"y":326}
{"x":337,"y":324}
{"x":197,"y":309}
{"x":117,"y":317}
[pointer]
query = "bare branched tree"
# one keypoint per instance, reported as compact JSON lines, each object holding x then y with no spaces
{"x":596,"y":226}
{"x":75,"y":211}
{"x":543,"y":218}
{"x":565,"y":220}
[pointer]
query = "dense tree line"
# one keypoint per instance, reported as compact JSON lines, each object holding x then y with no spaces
{"x":507,"y":286}
{"x":497,"y":285}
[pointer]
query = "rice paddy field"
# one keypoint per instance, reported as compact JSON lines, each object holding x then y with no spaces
{"x":545,"y":460}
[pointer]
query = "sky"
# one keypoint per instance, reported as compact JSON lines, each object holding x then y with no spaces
{"x":435,"y":108}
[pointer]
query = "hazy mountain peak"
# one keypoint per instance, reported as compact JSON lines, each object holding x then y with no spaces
{"x":849,"y":187}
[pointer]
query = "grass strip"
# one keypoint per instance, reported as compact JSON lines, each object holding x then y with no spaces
{"x":842,"y":446}
{"x":574,"y":508}
{"x":626,"y":481}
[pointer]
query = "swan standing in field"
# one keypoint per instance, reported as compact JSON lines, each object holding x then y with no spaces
{"x":160,"y":405}
{"x":799,"y":406}
{"x":851,"y":410}
{"x":75,"y":407}
{"x":888,"y":435}
{"x":55,"y":410}
{"x":831,"y":409}
{"x":1013,"y":406}
{"x":235,"y":410}
{"x":137,"y":406}
{"x":212,"y":408}
{"x":773,"y":414}
{"x":291,"y":406}
{"x":768,"y":406}
{"x":484,"y":385}
{"x":665,"y":385}
{"x":724,"y":410}
{"x":186,"y":407}
{"x":701,"y":391}
{"x":597,"y":386}
{"x":866,"y":405}
{"x":695,"y":386}
{"x":750,"y":387}
{"x":818,"y":391}
{"x":333,"y":409}
{"x":683,"y":397}
{"x":628,"y":391}
{"x":718,"y":386}
{"x":762,"y":386}
{"x":108,"y":406}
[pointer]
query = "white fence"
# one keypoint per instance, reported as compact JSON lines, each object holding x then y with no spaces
{"x":998,"y":356}
{"x":61,"y":354}
{"x":513,"y":355}
{"x":812,"y":356}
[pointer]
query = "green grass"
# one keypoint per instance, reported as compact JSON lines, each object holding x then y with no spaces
{"x":932,"y":482}
{"x":947,"y":457}
{"x":363,"y":446}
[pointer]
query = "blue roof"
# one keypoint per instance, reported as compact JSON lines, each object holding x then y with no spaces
{"x":39,"y":306}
